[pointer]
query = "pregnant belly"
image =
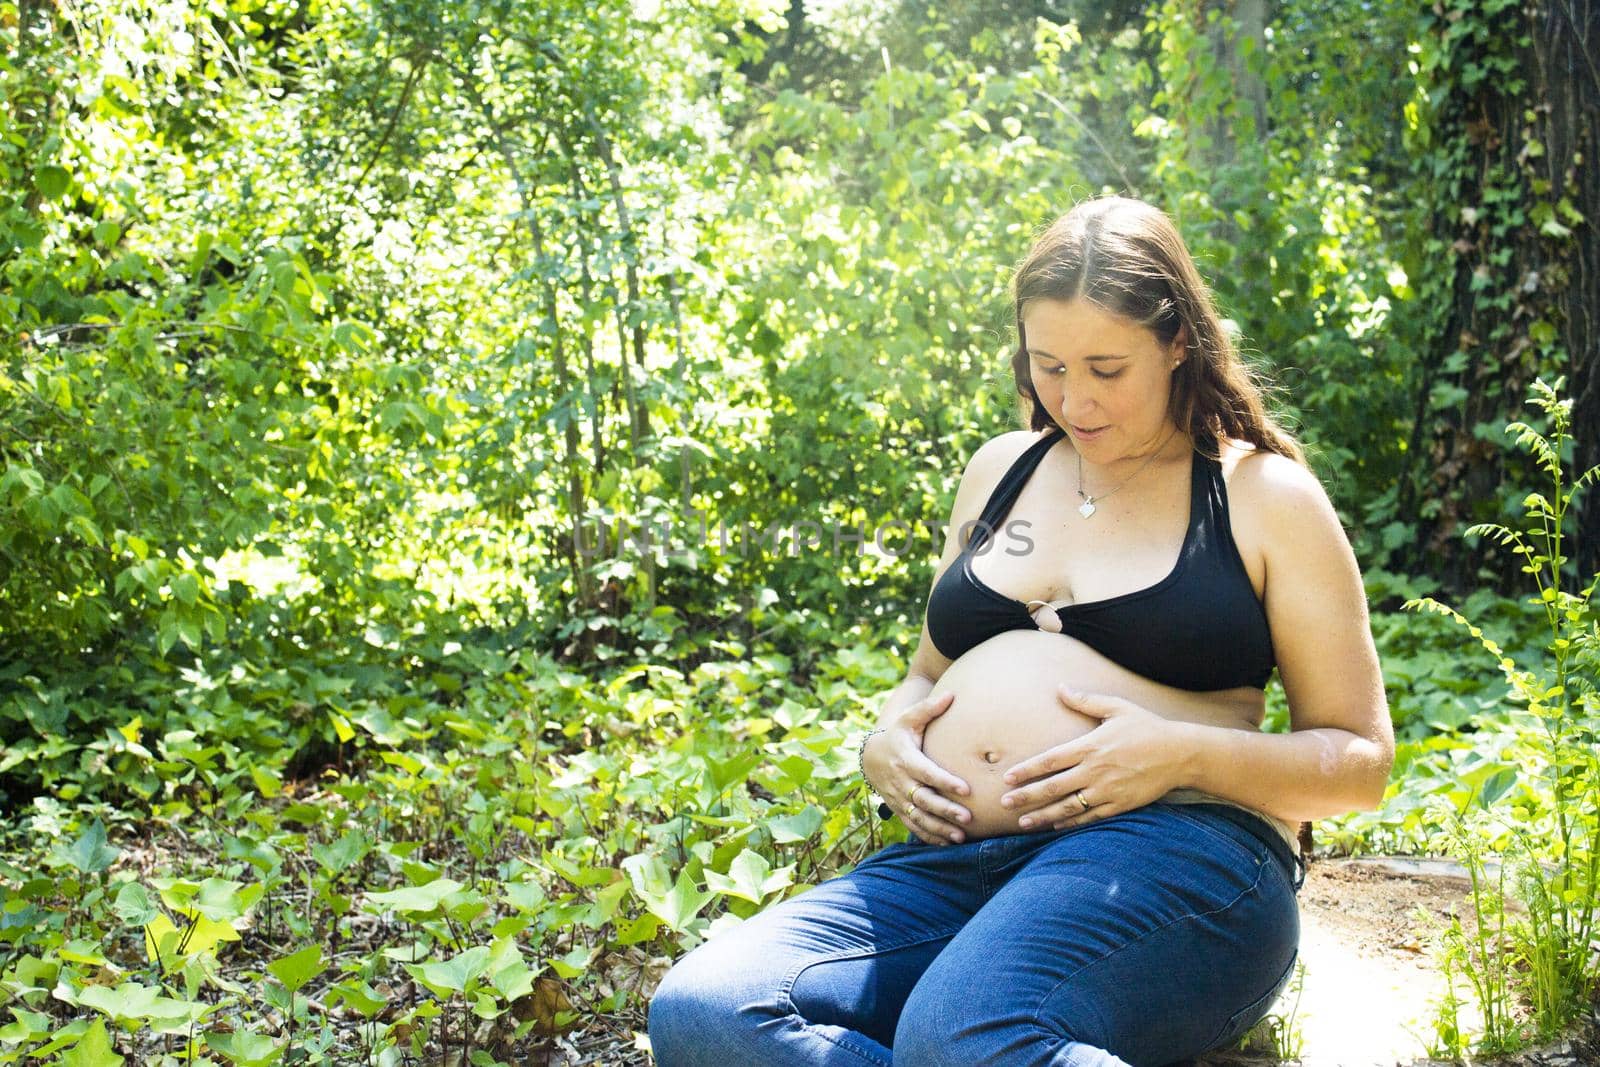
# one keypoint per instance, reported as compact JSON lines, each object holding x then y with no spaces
{"x":1005,"y":709}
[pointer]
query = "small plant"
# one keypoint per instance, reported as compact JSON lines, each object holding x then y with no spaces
{"x":1278,"y":1034}
{"x":1541,"y":808}
{"x":1449,"y":1036}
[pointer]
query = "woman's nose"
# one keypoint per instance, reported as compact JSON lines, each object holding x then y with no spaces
{"x":1075,"y":407}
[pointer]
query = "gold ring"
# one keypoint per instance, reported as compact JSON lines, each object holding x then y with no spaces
{"x":1083,"y":800}
{"x":911,"y":797}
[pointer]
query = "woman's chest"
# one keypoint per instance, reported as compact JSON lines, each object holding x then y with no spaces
{"x":1045,"y":550}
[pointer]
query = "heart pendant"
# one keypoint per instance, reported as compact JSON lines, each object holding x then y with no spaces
{"x":1086,"y":509}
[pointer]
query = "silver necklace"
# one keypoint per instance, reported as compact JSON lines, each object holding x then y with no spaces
{"x":1087,"y":508}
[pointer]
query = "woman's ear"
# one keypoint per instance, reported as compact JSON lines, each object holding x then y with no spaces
{"x":1179,"y":348}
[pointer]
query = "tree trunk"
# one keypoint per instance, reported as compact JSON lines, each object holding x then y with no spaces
{"x":1522,"y":298}
{"x":1566,"y":73}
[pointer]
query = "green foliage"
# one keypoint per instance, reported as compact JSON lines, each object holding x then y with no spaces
{"x":1541,"y":805}
{"x":325,"y":330}
{"x":499,"y":860}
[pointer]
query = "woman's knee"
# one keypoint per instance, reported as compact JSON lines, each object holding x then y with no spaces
{"x":704,"y":1005}
{"x":948,"y":1039}
{"x":687,"y":1006}
{"x":951,"y":1022}
{"x":939,"y":1028}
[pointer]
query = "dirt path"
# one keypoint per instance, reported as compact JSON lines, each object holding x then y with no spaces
{"x":1370,"y":982}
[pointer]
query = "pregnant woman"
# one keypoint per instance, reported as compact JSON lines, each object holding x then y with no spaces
{"x":1100,"y":870}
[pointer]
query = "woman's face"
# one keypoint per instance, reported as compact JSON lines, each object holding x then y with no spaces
{"x":1103,"y":378}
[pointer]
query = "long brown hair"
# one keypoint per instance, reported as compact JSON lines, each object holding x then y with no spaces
{"x":1126,"y":257}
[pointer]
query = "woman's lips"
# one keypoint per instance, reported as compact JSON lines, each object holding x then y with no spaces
{"x":1088,"y":435}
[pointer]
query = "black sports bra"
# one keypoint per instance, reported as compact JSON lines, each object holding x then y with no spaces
{"x":1199,"y":628}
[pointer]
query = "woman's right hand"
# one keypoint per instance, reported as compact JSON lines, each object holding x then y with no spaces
{"x":917,"y":788}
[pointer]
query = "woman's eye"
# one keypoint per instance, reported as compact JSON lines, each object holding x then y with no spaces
{"x":1107,"y":377}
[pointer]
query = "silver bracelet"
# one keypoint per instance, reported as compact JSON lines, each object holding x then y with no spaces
{"x":884,"y":811}
{"x":861,"y":752}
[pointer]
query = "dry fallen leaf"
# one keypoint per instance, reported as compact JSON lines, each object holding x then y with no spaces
{"x":541,"y":1007}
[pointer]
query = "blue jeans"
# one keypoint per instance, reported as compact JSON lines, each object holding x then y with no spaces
{"x":1145,"y":938}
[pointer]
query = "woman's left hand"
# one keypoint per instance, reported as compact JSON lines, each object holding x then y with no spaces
{"x":1133,"y":757}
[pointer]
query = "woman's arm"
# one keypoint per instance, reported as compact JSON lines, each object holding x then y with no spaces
{"x":1340,"y":751}
{"x":892,"y":756}
{"x":1337,"y":757}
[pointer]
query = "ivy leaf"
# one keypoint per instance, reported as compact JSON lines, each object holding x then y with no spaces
{"x":572,"y":964}
{"x":1496,"y":787}
{"x":679,"y":905}
{"x":344,"y":853}
{"x":224,"y":901}
{"x":133,"y":905}
{"x":750,"y":877}
{"x":131,"y":1002}
{"x":360,"y":996}
{"x":204,"y":935}
{"x":161,"y":939}
{"x":296,"y":970}
{"x":417,"y":901}
{"x":25,"y":1026}
{"x":791,"y":829}
{"x":83,"y":951}
{"x":92,"y":1050}
{"x":246,"y":1048}
{"x":89,"y":853}
{"x":642,"y":928}
{"x":513,"y":981}
{"x":444,"y":978}
{"x":525,"y":896}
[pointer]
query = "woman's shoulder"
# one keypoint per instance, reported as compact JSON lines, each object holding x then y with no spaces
{"x":1274,"y":495}
{"x":989,"y":463}
{"x":1262,"y":473}
{"x":1002,"y":450}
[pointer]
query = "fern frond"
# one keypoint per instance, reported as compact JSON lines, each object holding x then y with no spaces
{"x":1538,"y":445}
{"x":1427,"y":603}
{"x":1503,"y":534}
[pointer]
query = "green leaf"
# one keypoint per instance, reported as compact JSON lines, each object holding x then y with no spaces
{"x":1496,"y":787}
{"x":525,"y":896}
{"x":82,"y":951}
{"x":414,"y":901}
{"x":750,"y":877}
{"x":453,"y":975}
{"x":131,"y":1002}
{"x":513,"y":980}
{"x":133,"y":905}
{"x":25,"y":1026}
{"x":683,"y":903}
{"x":573,"y":963}
{"x":89,"y":853}
{"x":360,"y":996}
{"x":724,"y":773}
{"x":246,"y":1048}
{"x":92,"y":1050}
{"x":296,"y":970}
{"x":52,"y":181}
{"x":344,"y":853}
{"x":641,"y":928}
{"x":797,"y":827}
{"x":341,"y":727}
{"x":223,"y":900}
